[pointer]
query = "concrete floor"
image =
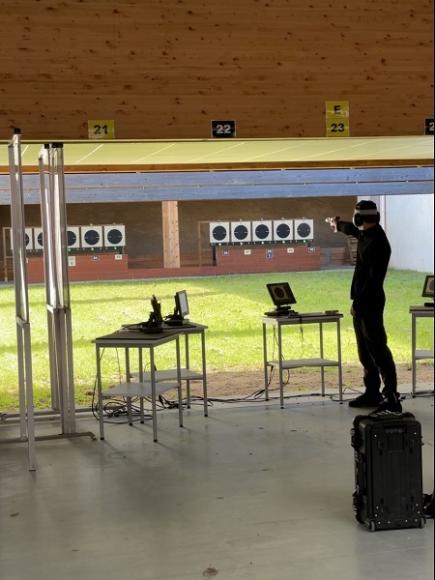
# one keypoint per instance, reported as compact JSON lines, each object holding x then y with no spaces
{"x":252,"y":492}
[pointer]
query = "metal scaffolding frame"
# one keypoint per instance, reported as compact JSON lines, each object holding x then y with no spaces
{"x":60,"y":344}
{"x":22,"y":318}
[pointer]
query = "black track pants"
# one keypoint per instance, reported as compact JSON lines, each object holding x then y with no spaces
{"x":374,"y":354}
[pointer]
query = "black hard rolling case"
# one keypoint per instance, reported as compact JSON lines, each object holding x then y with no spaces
{"x":388,"y":471}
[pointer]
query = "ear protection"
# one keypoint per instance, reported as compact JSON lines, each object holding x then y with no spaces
{"x":359,"y":214}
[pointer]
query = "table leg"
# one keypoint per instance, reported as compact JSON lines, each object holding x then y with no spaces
{"x":153,"y":393}
{"x":281,"y":383}
{"x":142,"y":417}
{"x":128,"y":378}
{"x":186,"y":340}
{"x":413,"y":349}
{"x":204,"y":374}
{"x":180,"y":394}
{"x":340,"y":369}
{"x":100,"y":395}
{"x":266,"y":375}
{"x":322,"y":368}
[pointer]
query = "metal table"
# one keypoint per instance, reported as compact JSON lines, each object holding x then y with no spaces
{"x":418,"y":354}
{"x":187,"y":374}
{"x":277,"y":324}
{"x":128,"y":339}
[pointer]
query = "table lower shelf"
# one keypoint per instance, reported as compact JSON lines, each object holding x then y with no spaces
{"x":304,"y":362}
{"x":423,"y":354}
{"x":137,"y":389}
{"x":171,"y":375}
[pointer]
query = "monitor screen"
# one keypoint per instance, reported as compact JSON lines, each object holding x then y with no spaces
{"x":428,"y":287}
{"x":182,"y":303}
{"x":281,"y":294}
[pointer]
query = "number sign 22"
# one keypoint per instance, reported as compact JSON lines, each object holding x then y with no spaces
{"x":223,"y":129}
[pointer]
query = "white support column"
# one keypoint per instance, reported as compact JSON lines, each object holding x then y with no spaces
{"x":24,"y":351}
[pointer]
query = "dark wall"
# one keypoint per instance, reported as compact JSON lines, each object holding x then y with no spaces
{"x":143,"y":221}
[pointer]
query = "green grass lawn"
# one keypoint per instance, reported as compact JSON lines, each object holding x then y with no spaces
{"x":231,"y":306}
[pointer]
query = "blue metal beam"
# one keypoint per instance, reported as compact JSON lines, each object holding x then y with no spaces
{"x":223,"y":185}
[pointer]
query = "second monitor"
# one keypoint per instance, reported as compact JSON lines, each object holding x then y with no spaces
{"x":282,"y":297}
{"x":181,"y":309}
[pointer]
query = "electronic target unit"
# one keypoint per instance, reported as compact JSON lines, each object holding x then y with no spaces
{"x":91,"y":237}
{"x":262,"y":231}
{"x":114,"y":236}
{"x":282,"y":230}
{"x":38,"y":239}
{"x":73,"y":237}
{"x":241,"y":232}
{"x":219,"y":233}
{"x":28,"y":237}
{"x":304,"y":230}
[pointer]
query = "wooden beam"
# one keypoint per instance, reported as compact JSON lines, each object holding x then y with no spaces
{"x":171,"y":235}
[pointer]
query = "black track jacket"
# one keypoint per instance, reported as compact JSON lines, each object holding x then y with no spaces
{"x":373,"y":255}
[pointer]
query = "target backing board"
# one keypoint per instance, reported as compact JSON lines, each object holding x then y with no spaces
{"x":241,"y":232}
{"x":91,"y":236}
{"x":219,"y":232}
{"x":73,"y":237}
{"x":38,"y":239}
{"x":283,"y":230}
{"x":304,"y":229}
{"x":262,"y":231}
{"x":28,"y":237}
{"x":114,"y":236}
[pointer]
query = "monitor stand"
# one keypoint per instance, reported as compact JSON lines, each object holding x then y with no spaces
{"x":284,"y":311}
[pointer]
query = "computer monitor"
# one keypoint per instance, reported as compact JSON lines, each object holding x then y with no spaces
{"x":428,"y":287}
{"x":181,"y":304}
{"x":281,"y":295}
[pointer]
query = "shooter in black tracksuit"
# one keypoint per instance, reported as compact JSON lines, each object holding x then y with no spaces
{"x":368,"y":301}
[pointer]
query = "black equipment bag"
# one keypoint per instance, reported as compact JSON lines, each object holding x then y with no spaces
{"x":388,"y":471}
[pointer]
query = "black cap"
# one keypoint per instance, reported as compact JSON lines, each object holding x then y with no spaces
{"x":366,"y":204}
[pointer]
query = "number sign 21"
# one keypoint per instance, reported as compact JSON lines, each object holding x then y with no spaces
{"x":223,"y":129}
{"x":102,"y":129}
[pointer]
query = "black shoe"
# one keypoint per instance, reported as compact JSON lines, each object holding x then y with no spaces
{"x":366,"y":400}
{"x":391,"y":403}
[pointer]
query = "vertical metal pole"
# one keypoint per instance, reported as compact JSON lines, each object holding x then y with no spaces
{"x":25,"y":378}
{"x":281,"y":384}
{"x":204,"y":373}
{"x":100,"y":396}
{"x":322,"y":368}
{"x":153,"y":392}
{"x":180,"y":394}
{"x":142,"y":417}
{"x":53,"y":210}
{"x":128,"y":377}
{"x":266,"y":376}
{"x":340,"y":370}
{"x":413,"y":349}
{"x":187,"y":355}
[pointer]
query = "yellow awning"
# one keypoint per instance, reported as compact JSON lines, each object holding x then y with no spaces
{"x":197,"y":154}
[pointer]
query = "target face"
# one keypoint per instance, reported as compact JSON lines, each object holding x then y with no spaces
{"x":303,"y":229}
{"x":241,"y":232}
{"x":92,"y":237}
{"x":283,"y":230}
{"x":262,"y":231}
{"x":219,"y":232}
{"x":71,"y":237}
